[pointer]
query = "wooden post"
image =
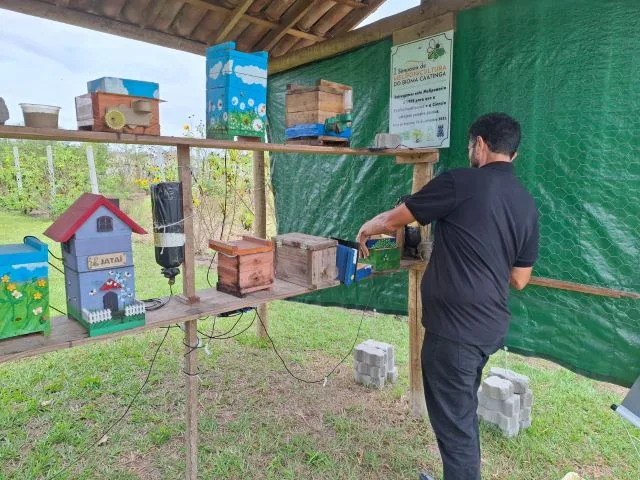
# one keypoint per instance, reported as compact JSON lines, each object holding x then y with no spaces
{"x":93,"y":178}
{"x":16,"y":162}
{"x":52,"y":177}
{"x":422,"y":173}
{"x":191,"y":327}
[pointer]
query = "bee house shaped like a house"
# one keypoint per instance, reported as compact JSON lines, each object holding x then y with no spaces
{"x":24,"y":288}
{"x":98,"y":265}
{"x":236,"y":92}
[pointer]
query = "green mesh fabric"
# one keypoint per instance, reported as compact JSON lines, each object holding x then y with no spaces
{"x":569,"y":72}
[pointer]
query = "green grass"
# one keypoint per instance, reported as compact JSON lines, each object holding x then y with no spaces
{"x":258,"y":422}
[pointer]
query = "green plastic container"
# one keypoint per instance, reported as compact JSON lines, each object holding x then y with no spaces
{"x":382,"y":259}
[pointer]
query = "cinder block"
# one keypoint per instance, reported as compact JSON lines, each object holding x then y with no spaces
{"x":520,"y":382}
{"x":525,"y":413}
{"x":370,"y":355}
{"x":369,"y":381}
{"x":510,"y":426}
{"x":508,"y":407}
{"x":392,"y":376}
{"x":387,"y":348}
{"x":497,"y":388}
{"x":526,"y":399}
{"x":524,"y":424}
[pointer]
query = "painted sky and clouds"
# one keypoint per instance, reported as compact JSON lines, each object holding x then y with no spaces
{"x":47,"y":62}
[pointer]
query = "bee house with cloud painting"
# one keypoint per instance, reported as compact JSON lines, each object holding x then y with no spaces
{"x":24,"y":288}
{"x":236,"y":92}
{"x":95,"y":236}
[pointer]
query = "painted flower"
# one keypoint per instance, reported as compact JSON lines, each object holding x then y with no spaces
{"x":220,"y":104}
{"x":250,"y":102}
{"x":262,"y":109}
{"x":186,"y":128}
{"x":242,"y":105}
{"x":246,"y":121}
{"x":257,"y":125}
{"x":225,"y":116}
{"x":16,"y":294}
{"x":11,"y":287}
{"x":5,"y":279}
{"x":42,"y":283}
{"x":92,"y":292}
{"x":37,"y":296}
{"x":37,"y":311}
{"x":234,"y":101}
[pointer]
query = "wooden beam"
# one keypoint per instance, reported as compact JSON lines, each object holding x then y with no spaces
{"x":62,"y":3}
{"x":354,"y":18}
{"x":352,"y":3}
{"x":424,"y":29}
{"x":150,"y":19}
{"x":55,"y":134}
{"x":371,"y":33}
{"x":234,"y":17}
{"x":580,"y":288}
{"x":50,"y":11}
{"x":252,"y":19}
{"x":289,"y":19}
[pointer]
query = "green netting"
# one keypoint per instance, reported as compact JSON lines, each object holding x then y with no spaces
{"x":569,"y":72}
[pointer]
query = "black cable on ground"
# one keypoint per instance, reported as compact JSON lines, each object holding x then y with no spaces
{"x":114,"y":424}
{"x":59,"y":311}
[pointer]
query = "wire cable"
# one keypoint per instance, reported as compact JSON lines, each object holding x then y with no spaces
{"x":56,"y":267}
{"x":59,"y":311}
{"x":114,"y":424}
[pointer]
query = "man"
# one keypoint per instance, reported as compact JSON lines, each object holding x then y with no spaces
{"x":486,"y":237}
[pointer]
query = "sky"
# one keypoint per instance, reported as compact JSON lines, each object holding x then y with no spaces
{"x":46,"y":62}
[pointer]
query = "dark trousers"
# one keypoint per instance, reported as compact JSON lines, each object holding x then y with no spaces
{"x":451,"y":374}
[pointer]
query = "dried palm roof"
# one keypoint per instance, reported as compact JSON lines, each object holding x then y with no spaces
{"x":278,"y":26}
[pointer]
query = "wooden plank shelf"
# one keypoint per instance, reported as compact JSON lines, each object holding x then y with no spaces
{"x":55,"y":134}
{"x":67,"y":333}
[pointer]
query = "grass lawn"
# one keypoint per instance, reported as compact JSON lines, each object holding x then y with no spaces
{"x":256,"y":421}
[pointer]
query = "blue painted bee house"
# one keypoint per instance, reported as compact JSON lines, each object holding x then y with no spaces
{"x":98,"y":265}
{"x":124,"y":86}
{"x":24,"y":288}
{"x":236,"y":92}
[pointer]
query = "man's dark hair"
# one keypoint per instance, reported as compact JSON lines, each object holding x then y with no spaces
{"x":500,"y":132}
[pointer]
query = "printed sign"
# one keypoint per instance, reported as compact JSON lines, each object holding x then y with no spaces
{"x":98,"y":262}
{"x":420,"y":105}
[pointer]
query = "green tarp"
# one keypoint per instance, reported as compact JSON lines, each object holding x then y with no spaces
{"x":569,"y":72}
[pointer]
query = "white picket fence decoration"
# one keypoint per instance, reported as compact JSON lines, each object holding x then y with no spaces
{"x":96,"y":316}
{"x":137,"y":308}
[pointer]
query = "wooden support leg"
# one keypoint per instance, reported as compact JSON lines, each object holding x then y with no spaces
{"x":260,"y":224}
{"x":191,"y":328}
{"x":422,"y":173}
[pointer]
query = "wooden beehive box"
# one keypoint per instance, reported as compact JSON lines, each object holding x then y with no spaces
{"x":306,"y":260}
{"x":244,"y":266}
{"x":125,"y":113}
{"x":313,"y":105}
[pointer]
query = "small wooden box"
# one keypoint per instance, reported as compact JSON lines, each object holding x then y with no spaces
{"x":244,"y":266}
{"x":313,"y":105}
{"x":137,"y":115}
{"x":306,"y":260}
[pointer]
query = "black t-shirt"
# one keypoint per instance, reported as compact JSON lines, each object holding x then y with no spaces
{"x":487,"y":223}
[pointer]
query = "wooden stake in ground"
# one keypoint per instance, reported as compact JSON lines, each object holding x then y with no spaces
{"x":191,"y":327}
{"x":93,"y":177}
{"x":16,"y":162}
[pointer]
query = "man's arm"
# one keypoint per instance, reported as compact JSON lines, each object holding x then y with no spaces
{"x":520,"y":277}
{"x":387,"y":222}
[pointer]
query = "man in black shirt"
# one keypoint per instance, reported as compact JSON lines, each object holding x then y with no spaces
{"x":485,"y":238}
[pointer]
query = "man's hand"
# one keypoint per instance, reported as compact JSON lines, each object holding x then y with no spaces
{"x":364,"y":235}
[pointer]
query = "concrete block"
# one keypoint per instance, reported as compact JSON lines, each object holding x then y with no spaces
{"x":510,"y":426}
{"x":369,"y":381}
{"x":371,"y":370}
{"x":524,"y":424}
{"x":392,"y":376}
{"x":525,"y":413}
{"x":497,"y":388}
{"x":508,"y":407}
{"x":387,"y":348}
{"x":370,"y":355}
{"x":520,"y":382}
{"x":526,"y":399}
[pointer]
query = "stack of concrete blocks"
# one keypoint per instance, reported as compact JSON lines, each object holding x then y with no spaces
{"x":505,"y":399}
{"x":374,"y":364}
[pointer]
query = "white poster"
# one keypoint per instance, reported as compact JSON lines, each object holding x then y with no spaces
{"x":420,"y":105}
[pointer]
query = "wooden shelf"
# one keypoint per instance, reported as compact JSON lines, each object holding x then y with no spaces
{"x":54,"y":134}
{"x":67,"y":333}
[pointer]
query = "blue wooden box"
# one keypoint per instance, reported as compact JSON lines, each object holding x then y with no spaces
{"x":236,"y":92}
{"x":124,"y":86}
{"x":313,"y":130}
{"x":349,"y":271}
{"x":24,"y":288}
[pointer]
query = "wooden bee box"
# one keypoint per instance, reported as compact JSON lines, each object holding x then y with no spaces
{"x":244,"y":266}
{"x":141,"y":115}
{"x":315,"y":104}
{"x":306,"y":260}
